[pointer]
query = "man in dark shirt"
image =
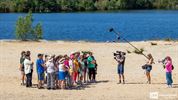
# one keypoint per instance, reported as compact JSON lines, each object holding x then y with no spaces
{"x":120,"y":68}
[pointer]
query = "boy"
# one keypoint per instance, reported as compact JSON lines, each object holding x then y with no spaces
{"x":40,"y":70}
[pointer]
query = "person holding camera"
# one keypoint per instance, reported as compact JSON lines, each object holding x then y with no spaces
{"x":168,"y":66}
{"x":120,"y":58}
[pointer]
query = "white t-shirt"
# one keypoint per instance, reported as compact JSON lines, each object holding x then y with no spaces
{"x":50,"y":67}
{"x":61,"y":67}
{"x":28,"y":66}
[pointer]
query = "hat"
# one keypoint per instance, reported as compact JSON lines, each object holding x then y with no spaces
{"x":61,"y":61}
{"x":50,"y":58}
{"x":72,"y":53}
{"x":72,"y":56}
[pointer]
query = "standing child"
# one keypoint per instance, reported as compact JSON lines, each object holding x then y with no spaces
{"x":75,"y":68}
{"x":50,"y":73}
{"x":62,"y":73}
{"x":169,"y":68}
{"x":40,"y":70}
{"x":28,"y":66}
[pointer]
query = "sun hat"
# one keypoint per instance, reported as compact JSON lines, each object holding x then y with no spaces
{"x":61,"y":61}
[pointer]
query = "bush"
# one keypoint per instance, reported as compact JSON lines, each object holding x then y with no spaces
{"x":25,"y":30}
{"x":140,"y":51}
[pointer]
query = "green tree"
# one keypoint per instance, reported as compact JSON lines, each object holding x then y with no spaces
{"x":25,"y":30}
{"x":38,"y":32}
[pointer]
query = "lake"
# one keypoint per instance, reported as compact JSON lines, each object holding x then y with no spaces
{"x":135,"y":25}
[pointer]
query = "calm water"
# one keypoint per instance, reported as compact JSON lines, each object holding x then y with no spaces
{"x":134,"y":25}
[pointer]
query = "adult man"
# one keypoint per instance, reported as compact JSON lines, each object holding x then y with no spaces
{"x":120,"y":58}
{"x":40,"y":70}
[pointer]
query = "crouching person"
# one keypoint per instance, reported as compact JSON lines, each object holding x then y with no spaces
{"x":28,"y":66}
{"x":50,"y":73}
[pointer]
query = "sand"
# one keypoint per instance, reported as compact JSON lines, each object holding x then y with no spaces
{"x":106,"y":88}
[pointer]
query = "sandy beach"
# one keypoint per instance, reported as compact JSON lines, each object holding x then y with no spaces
{"x":106,"y":87}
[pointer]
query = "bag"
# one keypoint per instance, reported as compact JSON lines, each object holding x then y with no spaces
{"x":144,"y":66}
{"x":172,"y":67}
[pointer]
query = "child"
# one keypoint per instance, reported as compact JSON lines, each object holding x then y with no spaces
{"x":75,"y":68}
{"x":62,"y":73}
{"x":169,"y":68}
{"x":50,"y":73}
{"x":40,"y":70}
{"x":82,"y":68}
{"x":28,"y":66}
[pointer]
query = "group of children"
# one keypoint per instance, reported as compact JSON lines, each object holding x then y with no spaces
{"x":61,"y":71}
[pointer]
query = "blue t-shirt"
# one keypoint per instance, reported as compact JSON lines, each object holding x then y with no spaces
{"x":40,"y":68}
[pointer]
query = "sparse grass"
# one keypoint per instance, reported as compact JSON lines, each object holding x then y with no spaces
{"x":129,"y":52}
{"x":140,"y":51}
{"x":168,"y":39}
{"x":153,"y":44}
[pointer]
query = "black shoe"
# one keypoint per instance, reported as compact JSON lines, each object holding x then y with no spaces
{"x":48,"y":88}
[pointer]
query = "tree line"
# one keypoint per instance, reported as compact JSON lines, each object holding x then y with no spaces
{"x":83,"y":5}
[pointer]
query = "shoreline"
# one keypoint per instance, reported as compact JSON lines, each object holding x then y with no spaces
{"x":82,"y":41}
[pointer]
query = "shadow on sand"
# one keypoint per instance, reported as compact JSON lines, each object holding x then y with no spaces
{"x":79,"y":86}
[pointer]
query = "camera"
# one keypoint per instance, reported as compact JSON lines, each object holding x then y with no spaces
{"x":118,"y":54}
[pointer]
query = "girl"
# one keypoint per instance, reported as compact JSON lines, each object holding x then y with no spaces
{"x":149,"y":67}
{"x":168,"y":68}
{"x":62,"y":73}
{"x":75,"y":68}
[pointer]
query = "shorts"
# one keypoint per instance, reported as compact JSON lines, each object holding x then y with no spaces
{"x":120,"y":69}
{"x":148,"y":68}
{"x":41,"y":76}
{"x":23,"y":69}
{"x":61,"y":75}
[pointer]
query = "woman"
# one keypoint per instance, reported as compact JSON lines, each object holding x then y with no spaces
{"x":62,"y":73}
{"x":28,"y":66}
{"x":169,"y":68}
{"x":91,"y":68}
{"x":149,"y":67}
{"x":22,"y":58}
